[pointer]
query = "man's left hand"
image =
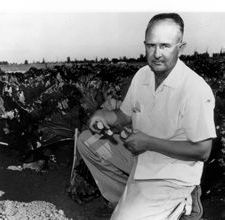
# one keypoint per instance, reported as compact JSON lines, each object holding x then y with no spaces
{"x":137,"y":142}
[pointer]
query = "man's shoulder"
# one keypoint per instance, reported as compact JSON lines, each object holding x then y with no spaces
{"x":194,"y":83}
{"x":144,"y":73}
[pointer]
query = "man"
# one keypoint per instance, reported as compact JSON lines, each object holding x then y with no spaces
{"x":171,"y":110}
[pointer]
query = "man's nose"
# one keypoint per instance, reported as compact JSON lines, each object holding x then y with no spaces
{"x":157,"y":52}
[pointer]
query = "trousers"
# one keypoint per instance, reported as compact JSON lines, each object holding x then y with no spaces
{"x":113,"y":166}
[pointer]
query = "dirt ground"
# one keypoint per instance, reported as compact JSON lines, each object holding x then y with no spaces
{"x":29,"y":189}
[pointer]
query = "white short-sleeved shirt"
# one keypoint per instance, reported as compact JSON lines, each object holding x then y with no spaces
{"x":181,"y":109}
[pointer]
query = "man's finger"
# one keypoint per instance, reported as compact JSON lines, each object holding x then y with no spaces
{"x":105,"y":125}
{"x":128,"y":146}
{"x":129,"y":138}
{"x":135,"y":131}
{"x":92,"y":126}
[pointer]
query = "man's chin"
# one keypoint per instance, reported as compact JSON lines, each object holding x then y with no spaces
{"x":157,"y":69}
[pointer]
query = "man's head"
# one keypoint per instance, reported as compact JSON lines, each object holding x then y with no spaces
{"x":163,"y":42}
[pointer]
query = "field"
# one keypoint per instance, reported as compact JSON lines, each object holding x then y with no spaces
{"x":42,"y":104}
{"x":22,"y":68}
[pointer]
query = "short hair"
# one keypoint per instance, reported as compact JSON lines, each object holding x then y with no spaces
{"x":163,"y":16}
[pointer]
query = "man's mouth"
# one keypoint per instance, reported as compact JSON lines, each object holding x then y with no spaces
{"x":157,"y":62}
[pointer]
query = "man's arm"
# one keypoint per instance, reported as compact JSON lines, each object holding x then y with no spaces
{"x":109,"y":118}
{"x":184,"y":150}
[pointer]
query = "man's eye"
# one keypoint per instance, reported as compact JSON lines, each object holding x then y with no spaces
{"x":150,"y":45}
{"x":163,"y":46}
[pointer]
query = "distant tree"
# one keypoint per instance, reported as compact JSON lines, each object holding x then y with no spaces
{"x":68,"y":60}
{"x":115,"y":60}
{"x":131,"y":60}
{"x":43,"y":61}
{"x":26,"y":62}
{"x":196,"y":54}
{"x":124,"y":59}
{"x":141,"y":58}
{"x":104,"y":60}
{"x":4,"y":63}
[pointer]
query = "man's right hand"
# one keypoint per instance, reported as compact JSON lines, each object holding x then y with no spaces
{"x":107,"y":118}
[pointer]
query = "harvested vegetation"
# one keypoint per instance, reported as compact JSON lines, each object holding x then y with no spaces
{"x":37,"y":210}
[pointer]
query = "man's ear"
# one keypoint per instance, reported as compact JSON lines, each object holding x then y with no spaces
{"x":182,"y":47}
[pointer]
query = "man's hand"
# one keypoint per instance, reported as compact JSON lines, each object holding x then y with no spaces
{"x":137,"y":142}
{"x":107,"y":118}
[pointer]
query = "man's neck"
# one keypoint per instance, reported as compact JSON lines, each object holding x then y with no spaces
{"x":159,"y":78}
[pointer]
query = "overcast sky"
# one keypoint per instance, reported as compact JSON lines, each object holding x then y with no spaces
{"x":54,"y":36}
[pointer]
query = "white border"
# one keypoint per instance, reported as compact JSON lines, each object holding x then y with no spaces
{"x":111,"y":5}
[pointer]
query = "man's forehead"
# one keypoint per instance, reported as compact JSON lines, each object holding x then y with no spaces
{"x":166,"y":28}
{"x":166,"y":22}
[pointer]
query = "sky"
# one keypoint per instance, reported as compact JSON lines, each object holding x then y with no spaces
{"x":55,"y":35}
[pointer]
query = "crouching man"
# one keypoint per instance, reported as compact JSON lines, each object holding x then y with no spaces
{"x":151,"y":174}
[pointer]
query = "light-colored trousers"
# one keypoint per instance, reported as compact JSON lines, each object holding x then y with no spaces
{"x":113,"y":166}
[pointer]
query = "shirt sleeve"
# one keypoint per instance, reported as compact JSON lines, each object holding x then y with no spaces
{"x":198,"y":117}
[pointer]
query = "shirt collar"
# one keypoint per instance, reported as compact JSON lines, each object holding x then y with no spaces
{"x":173,"y":80}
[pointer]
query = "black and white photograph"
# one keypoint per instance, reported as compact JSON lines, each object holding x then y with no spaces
{"x":112,"y":111}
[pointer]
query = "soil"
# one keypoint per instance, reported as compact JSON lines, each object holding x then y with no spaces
{"x":28,"y":194}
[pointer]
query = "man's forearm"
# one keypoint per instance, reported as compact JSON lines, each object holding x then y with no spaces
{"x":183,"y":150}
{"x":108,"y":118}
{"x":121,"y":119}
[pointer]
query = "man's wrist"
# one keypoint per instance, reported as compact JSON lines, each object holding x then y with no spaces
{"x":110,"y":117}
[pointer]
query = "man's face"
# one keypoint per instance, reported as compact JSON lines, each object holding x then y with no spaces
{"x":162,"y":45}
